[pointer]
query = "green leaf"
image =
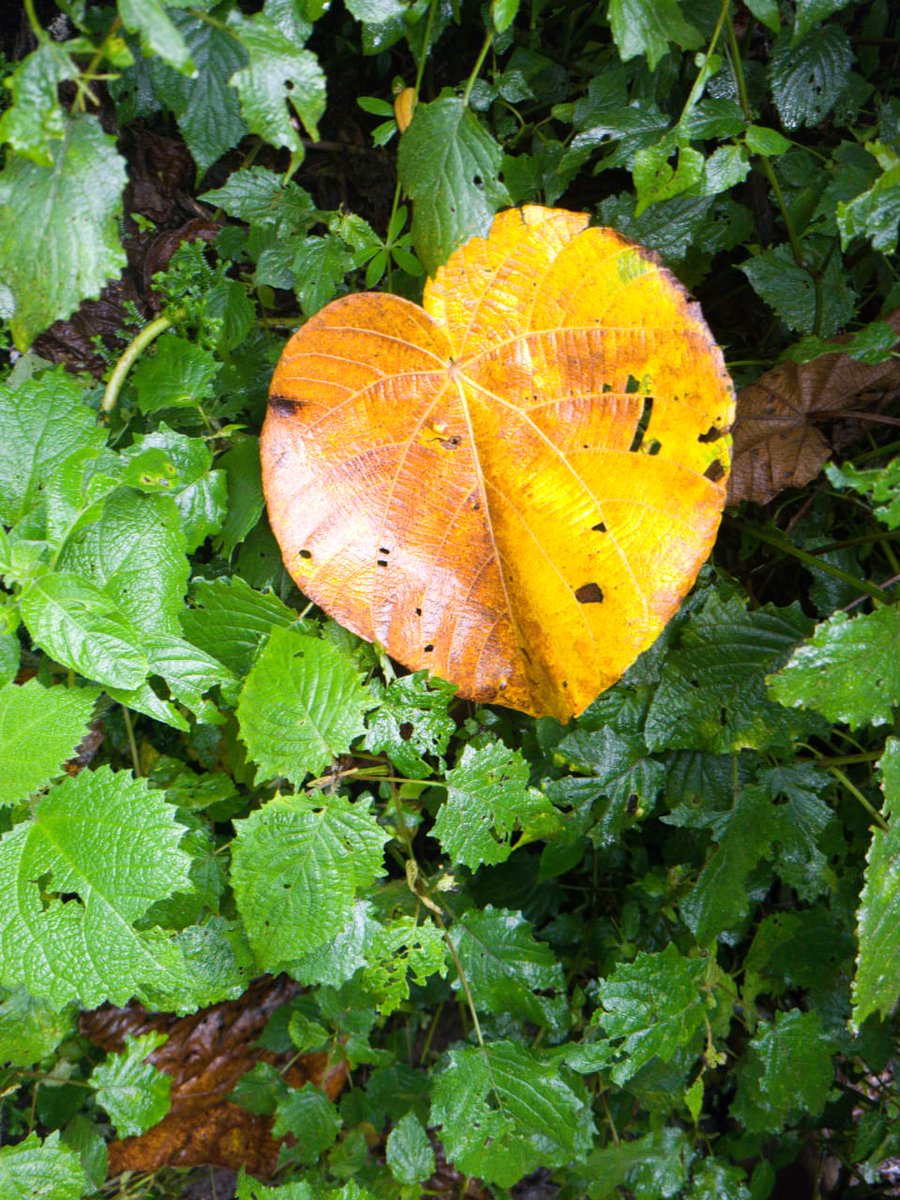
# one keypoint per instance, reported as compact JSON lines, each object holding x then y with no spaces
{"x":409,"y":1154}
{"x":398,"y":951}
{"x":787,"y":1071}
{"x":449,"y":165}
{"x":199,"y":492}
{"x":655,"y":180}
{"x":345,"y":954}
{"x":100,"y":849}
{"x":252,"y":1189}
{"x":279,"y":79}
{"x":309,"y":1116}
{"x":375,"y":12}
{"x":619,"y":767}
{"x":262,"y":197}
{"x":791,"y":290}
{"x":40,"y":206}
{"x":178,"y":374}
{"x":504,"y":1112}
{"x":319,"y":267}
{"x":812,"y":12}
{"x":301,"y":706}
{"x":411,"y":721}
{"x":245,"y":494}
{"x":488,"y":799}
{"x":507,"y":970}
{"x":134,"y":1093}
{"x":656,"y":1005}
{"x":228,"y":619}
{"x":41,"y":1170}
{"x":824,"y":673}
{"x":36,"y":120}
{"x":84,"y":1137}
{"x":189,"y":674}
{"x":205,"y":106}
{"x":648,"y":26}
{"x":297,"y":864}
{"x":30,"y":1028}
{"x":874,"y":214}
{"x":876,"y":987}
{"x":78,"y":625}
{"x":768,"y":12}
{"x":807,"y":78}
{"x":39,"y":729}
{"x":770,"y":142}
{"x":881,"y":484}
{"x":158,"y":35}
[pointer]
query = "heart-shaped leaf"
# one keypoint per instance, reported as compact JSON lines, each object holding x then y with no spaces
{"x":515,"y":485}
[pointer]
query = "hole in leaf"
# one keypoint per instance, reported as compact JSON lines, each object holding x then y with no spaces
{"x":305,"y":553}
{"x":714,"y":472}
{"x":643,"y":420}
{"x":406,"y":730}
{"x":599,"y":527}
{"x":589,"y":593}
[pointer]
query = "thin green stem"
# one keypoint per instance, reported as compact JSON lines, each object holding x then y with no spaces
{"x":426,"y":46}
{"x":862,"y":585}
{"x":133,"y":351}
{"x":36,"y":28}
{"x":132,"y":743}
{"x":864,"y":540}
{"x":857,"y":794}
{"x":482,"y":55}
{"x":703,"y":74}
{"x":843,"y":760}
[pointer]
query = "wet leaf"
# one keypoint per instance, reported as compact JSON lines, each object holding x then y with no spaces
{"x":39,"y":729}
{"x":534,"y":464}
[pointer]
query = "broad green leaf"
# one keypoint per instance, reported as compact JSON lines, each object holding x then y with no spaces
{"x":503,"y":13}
{"x":787,"y":1071}
{"x":205,"y":106}
{"x":770,"y":142}
{"x":809,"y":13}
{"x":876,"y":987}
{"x":656,"y":1005}
{"x":881,"y":484}
{"x":825,"y":673}
{"x":245,"y":495}
{"x":281,"y":79}
{"x":768,"y":12}
{"x":875,"y":214}
{"x":42,"y":422}
{"x":319,"y":266}
{"x":79,"y":625}
{"x":344,"y":954}
{"x":36,"y":120}
{"x":36,"y":1170}
{"x":39,"y":208}
{"x":10,"y":654}
{"x":228,"y":619}
{"x":189,"y":674}
{"x":672,"y":226}
{"x":135,"y":552}
{"x":807,"y":78}
{"x":134,"y":1093}
{"x":30,"y":1028}
{"x":253,"y":1189}
{"x":802,"y":815}
{"x":39,"y":729}
{"x":653,"y":1167}
{"x":411,"y":721}
{"x":507,"y":970}
{"x":100,"y":849}
{"x":375,"y":12}
{"x":401,"y":952}
{"x":199,"y":492}
{"x":158,"y":35}
{"x":85,"y":1138}
{"x":790,"y":290}
{"x":488,"y":800}
{"x":309,"y":1116}
{"x":177,"y":374}
{"x":449,"y":165}
{"x":409,"y":1153}
{"x":648,"y":26}
{"x":618,"y":767}
{"x":301,"y":706}
{"x":262,"y":197}
{"x":503,"y":1112}
{"x":656,"y":180}
{"x":297,"y":864}
{"x":717,"y":1180}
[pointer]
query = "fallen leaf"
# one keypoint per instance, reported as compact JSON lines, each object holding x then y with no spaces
{"x":781,"y":435}
{"x":206,"y":1054}
{"x":514,"y":486}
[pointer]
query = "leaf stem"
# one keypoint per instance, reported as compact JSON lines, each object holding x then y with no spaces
{"x":36,"y":28}
{"x":132,"y":744}
{"x":482,"y":55}
{"x":862,"y":585}
{"x":133,"y":351}
{"x":855,"y":792}
{"x":703,"y":74}
{"x":426,"y":46}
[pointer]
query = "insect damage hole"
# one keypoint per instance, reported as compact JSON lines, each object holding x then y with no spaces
{"x":589,"y":593}
{"x":598,"y":528}
{"x":714,"y":472}
{"x":643,"y":422}
{"x":305,"y":553}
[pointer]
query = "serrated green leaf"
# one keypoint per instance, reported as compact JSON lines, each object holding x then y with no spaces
{"x":503,"y":1112}
{"x":189,"y":674}
{"x":41,"y":1170}
{"x":297,"y":864}
{"x":400,"y":952}
{"x":134,"y":1093}
{"x":648,"y":26}
{"x":253,"y":1189}
{"x":39,"y":729}
{"x":175,"y":375}
{"x":228,"y":619}
{"x":245,"y":495}
{"x":807,"y":77}
{"x":790,"y":291}
{"x":36,"y":120}
{"x":717,"y":1180}
{"x":507,"y":970}
{"x":409,"y":1154}
{"x":788,"y":1070}
{"x":874,"y":214}
{"x":881,"y":484}
{"x":876,"y":987}
{"x":656,"y":1006}
{"x":809,"y":13}
{"x":85,"y":1138}
{"x":78,"y":625}
{"x":824,"y":673}
{"x":262,"y":197}
{"x":319,"y":266}
{"x":654,"y":1167}
{"x":40,"y":206}
{"x":112,"y":844}
{"x":488,"y":799}
{"x":620,"y":768}
{"x":449,"y":165}
{"x":158,"y":35}
{"x":310,"y":1117}
{"x":343,"y":955}
{"x":656,"y":180}
{"x":411,"y":721}
{"x":30,"y":1028}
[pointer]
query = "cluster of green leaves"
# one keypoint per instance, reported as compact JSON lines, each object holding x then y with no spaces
{"x":652,"y":953}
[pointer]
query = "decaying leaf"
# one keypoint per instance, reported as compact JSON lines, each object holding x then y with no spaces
{"x":206,"y":1054}
{"x":515,"y":486}
{"x":780,"y":432}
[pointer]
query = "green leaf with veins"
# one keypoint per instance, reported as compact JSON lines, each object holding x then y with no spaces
{"x":807,"y":78}
{"x":411,"y":721}
{"x":41,"y":1170}
{"x":787,"y":1070}
{"x":158,"y":35}
{"x":65,"y":213}
{"x":39,"y":729}
{"x":245,"y":495}
{"x":134,"y":1093}
{"x":30,"y":1028}
{"x":790,"y":290}
{"x":881,"y":485}
{"x":875,"y":214}
{"x":408,"y":1152}
{"x":400,"y":952}
{"x":200,"y":494}
{"x":297,"y":864}
{"x":309,"y":1116}
{"x":36,"y":120}
{"x":228,"y":620}
{"x":100,"y":849}
{"x":177,"y":374}
{"x":262,"y":197}
{"x":648,"y":26}
{"x":344,"y":954}
{"x":319,"y":265}
{"x":653,"y":1167}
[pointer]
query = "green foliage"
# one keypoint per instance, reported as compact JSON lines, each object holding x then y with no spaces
{"x":651,"y":954}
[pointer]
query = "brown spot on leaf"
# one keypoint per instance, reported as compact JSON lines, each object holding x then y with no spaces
{"x":589,"y":593}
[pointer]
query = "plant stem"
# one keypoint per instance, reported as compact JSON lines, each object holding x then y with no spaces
{"x":855,"y":792}
{"x":133,"y":350}
{"x":470,"y":83}
{"x":132,"y":744}
{"x":36,"y":28}
{"x":703,"y":74}
{"x":862,"y":585}
{"x":426,"y":46}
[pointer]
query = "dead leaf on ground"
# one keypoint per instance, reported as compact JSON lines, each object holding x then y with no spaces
{"x":781,"y":434}
{"x":206,"y":1054}
{"x":515,"y":485}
